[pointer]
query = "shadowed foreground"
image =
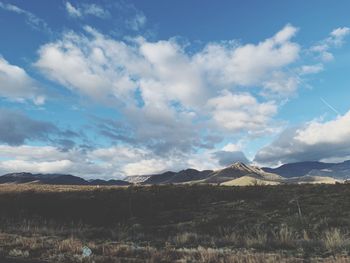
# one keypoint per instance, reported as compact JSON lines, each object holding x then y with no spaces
{"x":294,"y":223}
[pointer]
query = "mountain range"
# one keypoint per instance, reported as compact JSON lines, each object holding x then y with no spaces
{"x":234,"y":175}
{"x":55,"y":179}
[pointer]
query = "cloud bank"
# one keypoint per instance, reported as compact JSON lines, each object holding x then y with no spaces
{"x":314,"y":141}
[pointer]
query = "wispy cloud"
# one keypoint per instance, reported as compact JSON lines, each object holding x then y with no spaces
{"x":335,"y":39}
{"x":31,"y":19}
{"x":137,"y":22}
{"x":72,"y":11}
{"x":86,"y":10}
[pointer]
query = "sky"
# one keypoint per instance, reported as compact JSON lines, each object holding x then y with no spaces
{"x":108,"y":89}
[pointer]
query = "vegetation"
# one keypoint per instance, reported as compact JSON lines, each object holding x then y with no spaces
{"x":182,"y":223}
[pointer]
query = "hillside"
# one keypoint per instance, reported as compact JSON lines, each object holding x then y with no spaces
{"x":249,"y":181}
{"x":237,"y":170}
{"x":339,"y":171}
{"x":307,"y":179}
{"x":297,"y":169}
{"x":188,"y":175}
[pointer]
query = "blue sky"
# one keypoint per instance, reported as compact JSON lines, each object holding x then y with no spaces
{"x":115,"y":88}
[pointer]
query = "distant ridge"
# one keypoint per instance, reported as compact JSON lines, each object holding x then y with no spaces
{"x":54,"y":179}
{"x":237,"y":174}
{"x":297,"y":169}
{"x":340,"y":171}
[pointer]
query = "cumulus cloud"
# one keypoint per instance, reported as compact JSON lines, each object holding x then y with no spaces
{"x":110,"y":162}
{"x":92,"y":67}
{"x":249,"y":64}
{"x":170,"y":98}
{"x":242,"y":111}
{"x":86,"y":10}
{"x":16,"y":84}
{"x":46,"y":159}
{"x":163,"y":68}
{"x":315,"y":140}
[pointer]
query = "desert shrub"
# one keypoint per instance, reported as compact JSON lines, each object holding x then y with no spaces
{"x":334,"y":240}
{"x":185,"y":238}
{"x":70,"y":245}
{"x":284,"y":237}
{"x":258,"y":239}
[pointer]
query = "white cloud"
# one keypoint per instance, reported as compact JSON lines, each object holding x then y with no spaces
{"x":137,"y":22}
{"x":31,"y":19}
{"x":86,"y":10}
{"x":95,"y":10}
{"x":315,"y":140}
{"x":146,"y":167}
{"x":311,"y":69}
{"x":35,"y":167}
{"x":331,"y":132}
{"x":111,"y":162}
{"x":280,"y":84}
{"x":96,"y":68}
{"x":37,"y":153}
{"x":232,"y":147}
{"x":338,"y":35}
{"x":15,"y":84}
{"x":183,"y":98}
{"x":72,"y":11}
{"x":249,"y":64}
{"x":240,"y":112}
{"x":47,"y":159}
{"x":39,"y":159}
{"x":336,"y":39}
{"x":163,"y":68}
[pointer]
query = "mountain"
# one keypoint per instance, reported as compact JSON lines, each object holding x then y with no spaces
{"x":62,"y":179}
{"x":188,"y":175}
{"x":162,"y":178}
{"x":249,"y":180}
{"x":235,"y":174}
{"x":238,"y":170}
{"x":340,"y":171}
{"x":54,"y":179}
{"x":297,"y":169}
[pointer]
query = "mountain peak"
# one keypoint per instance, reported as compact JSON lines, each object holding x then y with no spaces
{"x":239,"y":165}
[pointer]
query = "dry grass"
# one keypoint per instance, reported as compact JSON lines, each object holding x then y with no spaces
{"x":335,"y":241}
{"x":256,"y":240}
{"x":185,"y":238}
{"x":40,"y":188}
{"x":54,"y":249}
{"x":249,"y":225}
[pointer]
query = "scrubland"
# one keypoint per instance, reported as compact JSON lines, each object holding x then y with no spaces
{"x":175,"y":223}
